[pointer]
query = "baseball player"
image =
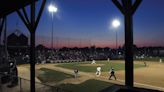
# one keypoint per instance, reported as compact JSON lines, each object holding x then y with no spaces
{"x":112,"y":73}
{"x":98,"y":72}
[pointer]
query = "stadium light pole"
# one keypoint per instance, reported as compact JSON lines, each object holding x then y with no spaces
{"x":115,"y":25}
{"x":52,"y":9}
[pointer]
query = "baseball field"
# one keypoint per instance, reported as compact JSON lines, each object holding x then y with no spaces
{"x":62,"y":75}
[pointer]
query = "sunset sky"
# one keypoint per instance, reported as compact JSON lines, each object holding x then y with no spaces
{"x":88,"y":22}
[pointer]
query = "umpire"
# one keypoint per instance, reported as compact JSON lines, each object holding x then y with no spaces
{"x":112,"y":73}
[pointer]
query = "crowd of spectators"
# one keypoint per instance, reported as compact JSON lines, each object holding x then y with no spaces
{"x":59,"y":55}
{"x":70,"y":55}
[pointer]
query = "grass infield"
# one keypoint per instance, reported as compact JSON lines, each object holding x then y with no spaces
{"x":49,"y":75}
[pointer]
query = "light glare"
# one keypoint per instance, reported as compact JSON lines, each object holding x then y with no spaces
{"x":116,"y":23}
{"x":52,"y":8}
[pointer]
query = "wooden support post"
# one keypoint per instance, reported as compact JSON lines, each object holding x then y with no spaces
{"x":5,"y":38}
{"x":128,"y":9}
{"x":32,"y":25}
{"x":128,"y":43}
{"x":32,"y":48}
{"x":2,"y":20}
{"x":32,"y":61}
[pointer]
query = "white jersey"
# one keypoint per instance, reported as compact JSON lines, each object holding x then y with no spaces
{"x":98,"y":72}
{"x":98,"y":68}
{"x":93,"y":62}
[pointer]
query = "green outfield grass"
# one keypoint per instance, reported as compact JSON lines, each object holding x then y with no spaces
{"x":52,"y":75}
{"x":87,"y":86}
{"x":88,"y":67}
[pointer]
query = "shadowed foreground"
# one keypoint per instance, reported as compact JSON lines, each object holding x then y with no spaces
{"x":119,"y":88}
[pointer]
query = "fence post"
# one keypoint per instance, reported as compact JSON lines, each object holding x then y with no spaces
{"x":57,"y":89}
{"x":0,"y":85}
{"x":20,"y":83}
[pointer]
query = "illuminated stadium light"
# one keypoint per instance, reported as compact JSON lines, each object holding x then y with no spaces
{"x":52,"y":8}
{"x":115,"y":23}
